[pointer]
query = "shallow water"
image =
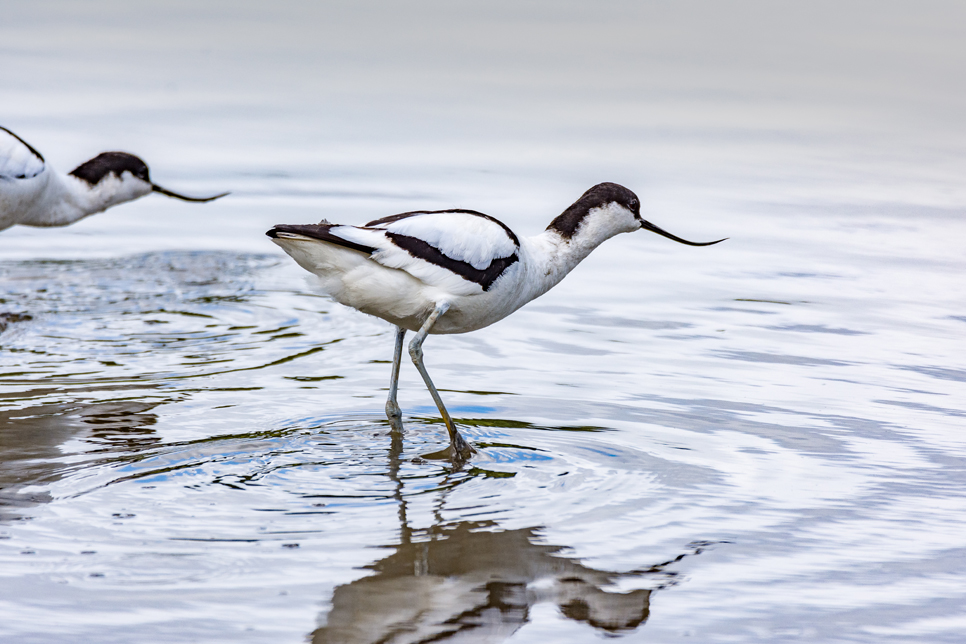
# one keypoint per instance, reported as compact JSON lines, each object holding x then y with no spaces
{"x":761,"y":440}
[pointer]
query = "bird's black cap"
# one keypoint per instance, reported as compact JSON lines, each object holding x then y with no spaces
{"x":600,"y":195}
{"x":116,"y":163}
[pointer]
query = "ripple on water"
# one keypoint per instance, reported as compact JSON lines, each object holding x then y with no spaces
{"x":199,"y":437}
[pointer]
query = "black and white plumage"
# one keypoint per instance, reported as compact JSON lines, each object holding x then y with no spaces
{"x":32,"y":194}
{"x":454,"y":271}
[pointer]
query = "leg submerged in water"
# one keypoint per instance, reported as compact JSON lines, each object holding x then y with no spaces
{"x":458,"y":449}
{"x":392,"y":407}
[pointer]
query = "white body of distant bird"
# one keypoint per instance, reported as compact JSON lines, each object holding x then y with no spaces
{"x":32,"y":194}
{"x":454,"y":271}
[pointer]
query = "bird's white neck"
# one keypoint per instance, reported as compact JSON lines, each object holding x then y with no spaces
{"x":67,"y":199}
{"x":550,"y":256}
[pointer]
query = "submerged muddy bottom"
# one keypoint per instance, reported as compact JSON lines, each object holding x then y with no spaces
{"x":194,"y":448}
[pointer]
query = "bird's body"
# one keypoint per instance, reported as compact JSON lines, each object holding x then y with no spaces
{"x":454,"y":271}
{"x":33,"y":194}
{"x":481,"y":269}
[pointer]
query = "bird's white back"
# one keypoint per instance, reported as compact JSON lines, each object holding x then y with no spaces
{"x":463,"y":236}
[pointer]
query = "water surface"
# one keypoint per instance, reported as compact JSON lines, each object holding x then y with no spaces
{"x":758,"y":441}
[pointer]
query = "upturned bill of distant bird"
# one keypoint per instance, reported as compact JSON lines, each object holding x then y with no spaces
{"x":33,"y":194}
{"x":454,"y":271}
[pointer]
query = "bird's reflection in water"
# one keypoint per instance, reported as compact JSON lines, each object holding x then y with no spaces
{"x":473,"y":582}
{"x":32,"y":439}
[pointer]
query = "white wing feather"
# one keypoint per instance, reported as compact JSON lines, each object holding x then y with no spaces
{"x":17,"y":161}
{"x":460,"y":236}
{"x":392,"y":256}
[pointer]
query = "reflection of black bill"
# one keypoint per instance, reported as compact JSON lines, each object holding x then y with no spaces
{"x":646,"y":225}
{"x":168,"y":193}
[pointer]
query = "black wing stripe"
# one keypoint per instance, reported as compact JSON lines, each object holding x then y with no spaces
{"x":318,"y":231}
{"x":403,"y":215}
{"x":424,"y":251}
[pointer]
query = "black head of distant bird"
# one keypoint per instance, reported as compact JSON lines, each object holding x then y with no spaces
{"x":116,"y":164}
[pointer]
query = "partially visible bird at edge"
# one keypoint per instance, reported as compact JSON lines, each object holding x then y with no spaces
{"x":33,"y":194}
{"x":454,"y":271}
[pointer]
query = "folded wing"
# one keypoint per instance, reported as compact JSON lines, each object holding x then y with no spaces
{"x":461,"y":251}
{"x":17,"y":159}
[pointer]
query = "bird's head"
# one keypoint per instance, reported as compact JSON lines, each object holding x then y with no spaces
{"x":120,"y":177}
{"x":612,"y":208}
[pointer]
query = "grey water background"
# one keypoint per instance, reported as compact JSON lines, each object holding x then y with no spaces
{"x":758,"y":441}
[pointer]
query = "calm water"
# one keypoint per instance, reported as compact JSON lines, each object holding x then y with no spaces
{"x":759,"y":441}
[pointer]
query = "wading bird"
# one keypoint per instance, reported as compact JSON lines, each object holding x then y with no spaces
{"x":454,"y":271}
{"x":33,"y":194}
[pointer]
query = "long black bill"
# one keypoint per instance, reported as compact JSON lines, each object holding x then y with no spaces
{"x":646,"y":225}
{"x":168,"y":193}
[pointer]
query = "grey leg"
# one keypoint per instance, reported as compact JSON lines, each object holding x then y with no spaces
{"x":459,"y":449}
{"x":392,"y":407}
